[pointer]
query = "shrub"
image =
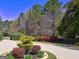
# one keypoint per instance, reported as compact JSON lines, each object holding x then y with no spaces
{"x":28,"y":57}
{"x":26,"y":39}
{"x":77,"y":44}
{"x":9,"y":56}
{"x":35,"y":49}
{"x":26,"y":43}
{"x":69,"y":40}
{"x":53,"y":39}
{"x":6,"y":34}
{"x":40,"y":54}
{"x":1,"y":36}
{"x":15,"y":36}
{"x":44,"y":39}
{"x":18,"y":52}
{"x":25,"y":46}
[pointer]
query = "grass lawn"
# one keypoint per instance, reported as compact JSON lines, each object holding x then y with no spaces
{"x":51,"y":56}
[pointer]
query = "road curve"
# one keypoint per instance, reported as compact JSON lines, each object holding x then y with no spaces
{"x":60,"y":52}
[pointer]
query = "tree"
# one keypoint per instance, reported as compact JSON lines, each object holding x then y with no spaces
{"x":69,"y":26}
{"x":36,"y":12}
{"x":52,"y":6}
{"x":1,"y":24}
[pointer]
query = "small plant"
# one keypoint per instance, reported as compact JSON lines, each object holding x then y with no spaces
{"x":15,"y":36}
{"x":40,"y":54}
{"x":9,"y":56}
{"x":18,"y":52}
{"x":28,"y":57}
{"x":35,"y":49}
{"x":1,"y":36}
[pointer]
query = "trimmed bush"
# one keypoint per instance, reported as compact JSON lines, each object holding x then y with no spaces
{"x":18,"y":52}
{"x":26,"y":39}
{"x":69,"y":40}
{"x":40,"y":54}
{"x":35,"y":49}
{"x":1,"y":36}
{"x":26,"y":43}
{"x":25,"y":46}
{"x":15,"y":36}
{"x":43,"y":39}
{"x":53,"y":39}
{"x":28,"y":57}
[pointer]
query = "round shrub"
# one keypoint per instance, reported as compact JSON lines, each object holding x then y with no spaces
{"x":18,"y":52}
{"x":9,"y":56}
{"x":15,"y":36}
{"x":40,"y":54}
{"x":1,"y":36}
{"x":26,"y":39}
{"x":35,"y":49}
{"x":28,"y":57}
{"x":26,"y":43}
{"x":25,"y":46}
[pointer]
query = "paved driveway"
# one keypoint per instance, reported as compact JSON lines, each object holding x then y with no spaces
{"x":60,"y":52}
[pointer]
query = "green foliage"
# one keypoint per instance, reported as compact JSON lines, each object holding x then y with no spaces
{"x":26,"y":42}
{"x":37,"y":11}
{"x":1,"y":36}
{"x":9,"y":56}
{"x":69,"y":41}
{"x":77,"y":44}
{"x":1,"y":24}
{"x":25,"y":46}
{"x":26,"y":39}
{"x":69,"y":26}
{"x":40,"y":54}
{"x":52,"y":5}
{"x":15,"y":36}
{"x":28,"y":57}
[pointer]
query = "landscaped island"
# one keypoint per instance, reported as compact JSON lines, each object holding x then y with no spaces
{"x":27,"y":50}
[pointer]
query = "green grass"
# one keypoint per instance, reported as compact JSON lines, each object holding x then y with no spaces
{"x":51,"y":56}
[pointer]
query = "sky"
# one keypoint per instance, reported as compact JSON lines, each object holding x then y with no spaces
{"x":10,"y":9}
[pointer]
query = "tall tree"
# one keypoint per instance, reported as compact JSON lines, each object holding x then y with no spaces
{"x":69,"y":26}
{"x":37,"y":12}
{"x":52,"y":6}
{"x":1,"y":24}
